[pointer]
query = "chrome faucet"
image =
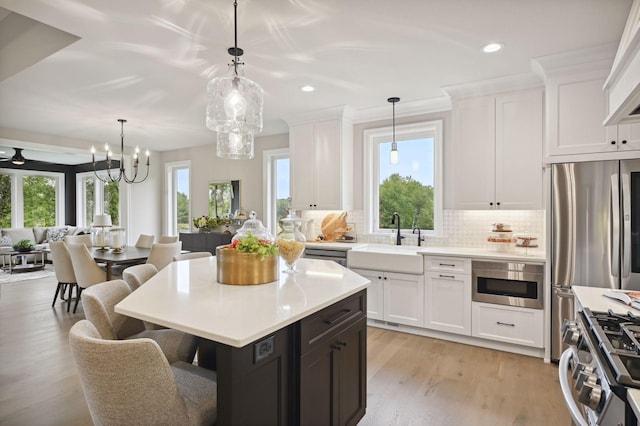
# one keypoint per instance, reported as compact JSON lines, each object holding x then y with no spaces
{"x":420,"y":238}
{"x":393,"y":222}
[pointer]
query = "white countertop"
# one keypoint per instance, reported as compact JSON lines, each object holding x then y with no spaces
{"x":592,"y":298}
{"x":516,"y":254}
{"x":478,"y":253}
{"x":186,"y":296}
{"x":332,"y":245}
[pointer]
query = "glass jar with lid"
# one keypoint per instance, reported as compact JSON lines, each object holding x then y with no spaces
{"x":255,"y":227}
{"x":290,"y":240}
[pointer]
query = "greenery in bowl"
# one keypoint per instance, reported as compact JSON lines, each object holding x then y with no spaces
{"x":253,"y":244}
{"x":23,"y":245}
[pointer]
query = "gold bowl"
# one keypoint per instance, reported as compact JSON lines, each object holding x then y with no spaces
{"x":238,"y":268}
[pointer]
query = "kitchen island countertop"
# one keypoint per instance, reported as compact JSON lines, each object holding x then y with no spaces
{"x":186,"y":296}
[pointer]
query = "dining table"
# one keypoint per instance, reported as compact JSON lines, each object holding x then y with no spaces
{"x":128,"y":256}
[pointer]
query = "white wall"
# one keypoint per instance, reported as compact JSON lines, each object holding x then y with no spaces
{"x":207,"y":167}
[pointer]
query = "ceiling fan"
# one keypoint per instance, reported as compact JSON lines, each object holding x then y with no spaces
{"x":17,"y":158}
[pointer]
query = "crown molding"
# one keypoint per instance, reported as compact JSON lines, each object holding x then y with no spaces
{"x":403,"y":109}
{"x":492,"y":86}
{"x":598,"y":58}
{"x":340,"y":112}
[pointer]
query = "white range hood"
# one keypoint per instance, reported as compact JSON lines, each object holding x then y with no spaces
{"x":622,"y":87}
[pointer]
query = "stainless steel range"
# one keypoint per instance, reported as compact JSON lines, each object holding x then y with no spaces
{"x":603,"y":359}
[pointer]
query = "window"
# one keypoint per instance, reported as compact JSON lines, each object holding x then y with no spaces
{"x":178,"y":198}
{"x":39,"y":201}
{"x":31,"y":198}
{"x":5,"y":201}
{"x":96,"y":197}
{"x":413,"y":187}
{"x":277,"y":187}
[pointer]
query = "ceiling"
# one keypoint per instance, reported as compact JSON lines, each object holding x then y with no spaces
{"x":94,"y":61}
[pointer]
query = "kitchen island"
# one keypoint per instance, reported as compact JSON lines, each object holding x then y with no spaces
{"x":592,"y":298}
{"x":288,"y":352}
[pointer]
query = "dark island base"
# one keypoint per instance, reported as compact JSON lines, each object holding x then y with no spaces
{"x":311,"y":372}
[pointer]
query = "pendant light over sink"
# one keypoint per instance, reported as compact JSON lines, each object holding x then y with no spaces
{"x":234,"y":106}
{"x":393,"y":154}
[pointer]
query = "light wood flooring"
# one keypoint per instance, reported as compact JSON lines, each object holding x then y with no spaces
{"x":412,"y":380}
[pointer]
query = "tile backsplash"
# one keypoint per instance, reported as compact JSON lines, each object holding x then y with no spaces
{"x":461,"y":228}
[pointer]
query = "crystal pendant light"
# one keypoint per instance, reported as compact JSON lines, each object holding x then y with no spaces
{"x":234,"y":107}
{"x":393,"y":154}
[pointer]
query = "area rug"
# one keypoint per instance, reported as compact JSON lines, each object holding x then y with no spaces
{"x":6,"y":277}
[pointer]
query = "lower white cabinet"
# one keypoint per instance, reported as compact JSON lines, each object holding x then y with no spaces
{"x":508,"y":324}
{"x":396,"y":298}
{"x":447,"y":301}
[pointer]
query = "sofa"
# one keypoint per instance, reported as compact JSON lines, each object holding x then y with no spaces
{"x":39,"y":236}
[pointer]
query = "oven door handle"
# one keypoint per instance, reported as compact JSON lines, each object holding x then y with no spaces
{"x":563,"y":372}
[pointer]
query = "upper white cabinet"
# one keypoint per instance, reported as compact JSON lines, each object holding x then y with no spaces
{"x":497,"y":152}
{"x":321,"y":161}
{"x":577,"y":108}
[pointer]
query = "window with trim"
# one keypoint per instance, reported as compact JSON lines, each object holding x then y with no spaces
{"x":31,"y":198}
{"x":413,"y":186}
{"x":97,"y":197}
{"x":178,"y":197}
{"x":277,"y":187}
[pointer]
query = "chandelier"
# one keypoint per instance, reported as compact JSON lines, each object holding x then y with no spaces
{"x":234,"y":106}
{"x":122,"y":174}
{"x":393,"y":154}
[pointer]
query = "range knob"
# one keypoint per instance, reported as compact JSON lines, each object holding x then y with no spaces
{"x":590,"y":395}
{"x":584,"y":378}
{"x":580,"y":367}
{"x":571,"y":335}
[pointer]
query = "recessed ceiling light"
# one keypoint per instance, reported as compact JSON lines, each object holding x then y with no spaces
{"x":307,"y":88}
{"x":492,"y":47}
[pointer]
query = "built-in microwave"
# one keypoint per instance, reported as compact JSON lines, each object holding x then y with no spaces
{"x":508,"y":283}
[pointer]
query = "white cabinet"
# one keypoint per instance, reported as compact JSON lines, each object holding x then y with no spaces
{"x":497,"y":151}
{"x":404,"y":298}
{"x":576,"y":110}
{"x":447,"y":295}
{"x":508,"y":324}
{"x":396,"y":298}
{"x":321,"y":164}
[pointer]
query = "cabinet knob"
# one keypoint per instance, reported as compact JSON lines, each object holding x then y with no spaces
{"x":491,"y":203}
{"x":624,"y":142}
{"x":498,"y":203}
{"x":379,"y":278}
{"x":384,"y":278}
{"x":613,"y":142}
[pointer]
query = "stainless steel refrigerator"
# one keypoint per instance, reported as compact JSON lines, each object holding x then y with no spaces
{"x":595,"y":227}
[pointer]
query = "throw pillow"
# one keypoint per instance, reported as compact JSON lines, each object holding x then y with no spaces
{"x":6,"y":241}
{"x":56,"y":234}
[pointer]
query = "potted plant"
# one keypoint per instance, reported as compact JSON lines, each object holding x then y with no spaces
{"x":205,"y":224}
{"x":23,"y":246}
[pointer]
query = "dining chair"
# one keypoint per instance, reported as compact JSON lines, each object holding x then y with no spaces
{"x":137,"y":275}
{"x":145,"y":241}
{"x":85,"y":268}
{"x":192,"y":255}
{"x":131,"y":382}
{"x":162,"y":254}
{"x":99,"y":303}
{"x":79,"y":239}
{"x":63,"y":268}
{"x":165,"y":239}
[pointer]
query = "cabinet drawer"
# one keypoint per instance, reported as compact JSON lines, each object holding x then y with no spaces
{"x":521,"y":326}
{"x":324,"y":324}
{"x":447,"y":264}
